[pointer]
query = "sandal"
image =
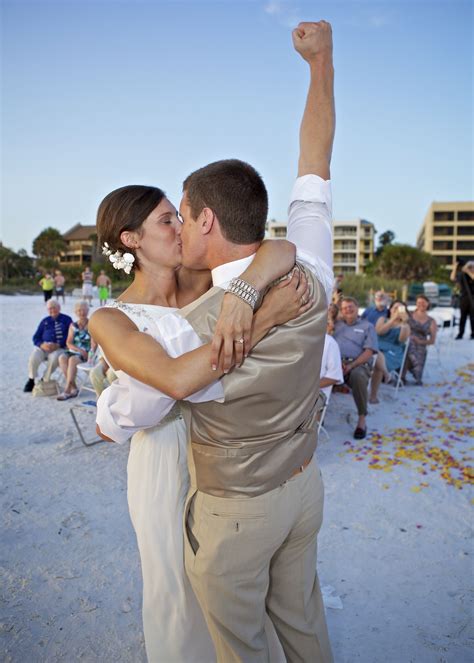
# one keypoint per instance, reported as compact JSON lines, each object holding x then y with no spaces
{"x":65,"y":397}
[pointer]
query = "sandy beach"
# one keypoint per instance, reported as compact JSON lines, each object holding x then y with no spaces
{"x":395,"y":551}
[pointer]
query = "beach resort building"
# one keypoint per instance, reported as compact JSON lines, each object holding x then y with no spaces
{"x":353,"y":246}
{"x":448,"y":232}
{"x":275,"y":230}
{"x":80,"y":245}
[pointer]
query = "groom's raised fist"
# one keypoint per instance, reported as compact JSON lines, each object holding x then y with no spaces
{"x":312,"y":40}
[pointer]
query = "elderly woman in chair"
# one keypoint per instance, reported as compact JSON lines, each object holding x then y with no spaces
{"x":78,"y":343}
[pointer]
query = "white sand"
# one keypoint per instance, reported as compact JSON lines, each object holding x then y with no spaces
{"x":399,"y":559}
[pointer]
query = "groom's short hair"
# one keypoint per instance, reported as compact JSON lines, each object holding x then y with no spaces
{"x":236,"y":194}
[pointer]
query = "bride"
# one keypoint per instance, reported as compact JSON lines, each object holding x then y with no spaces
{"x":140,"y":230}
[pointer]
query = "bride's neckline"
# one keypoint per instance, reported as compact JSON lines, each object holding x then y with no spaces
{"x":119,"y":302}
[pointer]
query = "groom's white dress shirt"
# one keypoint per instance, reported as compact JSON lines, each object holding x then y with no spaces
{"x":129,"y":405}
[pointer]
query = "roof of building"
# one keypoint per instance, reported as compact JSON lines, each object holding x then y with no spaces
{"x":80,"y":232}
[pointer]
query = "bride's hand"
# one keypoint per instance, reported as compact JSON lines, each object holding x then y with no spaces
{"x":234,"y":324}
{"x":288,"y":300}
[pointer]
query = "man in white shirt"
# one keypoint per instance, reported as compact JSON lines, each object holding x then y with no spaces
{"x":331,"y":367}
{"x":263,"y":471}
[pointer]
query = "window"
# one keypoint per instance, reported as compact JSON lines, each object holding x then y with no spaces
{"x":466,"y":216}
{"x":441,"y":231}
{"x":466,"y":230}
{"x":344,"y":257}
{"x":442,"y":246}
{"x":465,"y":246}
{"x":444,"y":216}
{"x":444,"y":260}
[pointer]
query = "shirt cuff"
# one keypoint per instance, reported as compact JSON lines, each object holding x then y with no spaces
{"x":312,"y":189}
{"x":106,"y":423}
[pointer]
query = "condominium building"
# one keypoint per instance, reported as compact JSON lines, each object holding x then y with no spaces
{"x":275,"y":230}
{"x":353,"y":246}
{"x":80,"y":245}
{"x":448,"y":232}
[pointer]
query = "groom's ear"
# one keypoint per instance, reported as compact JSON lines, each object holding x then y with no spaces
{"x":206,"y":220}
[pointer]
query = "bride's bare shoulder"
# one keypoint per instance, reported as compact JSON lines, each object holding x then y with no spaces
{"x":106,"y":318}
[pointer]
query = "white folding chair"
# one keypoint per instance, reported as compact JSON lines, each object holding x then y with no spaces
{"x":83,"y":371}
{"x":322,"y":412}
{"x":398,"y":374}
{"x":90,"y":408}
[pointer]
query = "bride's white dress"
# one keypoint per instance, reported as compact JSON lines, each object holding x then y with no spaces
{"x":158,"y":481}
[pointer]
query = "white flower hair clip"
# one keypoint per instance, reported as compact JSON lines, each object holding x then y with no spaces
{"x":118,"y":259}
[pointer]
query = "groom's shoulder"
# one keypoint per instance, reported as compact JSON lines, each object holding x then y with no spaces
{"x":204,"y":304}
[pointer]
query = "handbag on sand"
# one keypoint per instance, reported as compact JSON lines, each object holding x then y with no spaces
{"x":46,"y":388}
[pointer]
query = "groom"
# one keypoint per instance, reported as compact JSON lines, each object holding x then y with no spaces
{"x":253,"y":515}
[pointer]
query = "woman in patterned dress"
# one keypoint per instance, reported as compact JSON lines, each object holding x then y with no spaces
{"x":79,"y":343}
{"x":423,"y":333}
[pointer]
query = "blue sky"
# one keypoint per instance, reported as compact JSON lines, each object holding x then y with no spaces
{"x":96,"y":95}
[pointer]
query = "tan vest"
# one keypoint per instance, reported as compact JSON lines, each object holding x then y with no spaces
{"x":265,"y":430}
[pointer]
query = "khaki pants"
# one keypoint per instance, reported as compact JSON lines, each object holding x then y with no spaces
{"x":358,"y":381}
{"x":248,"y":556}
{"x":36,"y":359}
{"x":99,"y":379}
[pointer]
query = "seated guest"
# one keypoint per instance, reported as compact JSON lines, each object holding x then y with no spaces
{"x":101,"y":376}
{"x":392,"y":335}
{"x":337,"y":289}
{"x":357,"y":342}
{"x":423,"y":333}
{"x":50,"y":343}
{"x":333,"y":315}
{"x":378,"y":310}
{"x":373,"y":314}
{"x":331,"y":366}
{"x":79,"y":344}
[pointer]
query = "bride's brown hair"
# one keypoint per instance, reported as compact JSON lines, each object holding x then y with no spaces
{"x":125,"y":209}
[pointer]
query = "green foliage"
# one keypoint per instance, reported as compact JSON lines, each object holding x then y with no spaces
{"x":115,"y":275}
{"x":47,"y":247}
{"x":405,"y":262}
{"x":15,"y":264}
{"x":360,"y":285}
{"x":385,"y":239}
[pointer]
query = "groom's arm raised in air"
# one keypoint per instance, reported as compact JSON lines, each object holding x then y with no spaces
{"x":310,"y":213}
{"x":313,"y":41}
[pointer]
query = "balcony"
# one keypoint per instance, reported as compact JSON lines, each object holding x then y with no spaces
{"x":345,"y":247}
{"x":345,"y":259}
{"x":344,"y":232}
